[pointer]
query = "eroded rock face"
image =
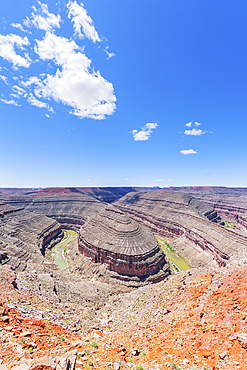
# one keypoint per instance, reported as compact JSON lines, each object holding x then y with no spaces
{"x":112,"y":238}
{"x":169,"y":214}
{"x":70,"y":210}
{"x":24,"y":235}
{"x":229,"y":203}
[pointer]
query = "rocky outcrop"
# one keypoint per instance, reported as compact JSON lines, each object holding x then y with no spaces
{"x":24,"y":235}
{"x":170,"y":215}
{"x":112,"y":238}
{"x":203,"y":209}
{"x":229,"y":203}
{"x":70,"y":210}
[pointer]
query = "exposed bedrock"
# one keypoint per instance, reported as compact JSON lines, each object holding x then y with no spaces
{"x":70,"y":210}
{"x":24,"y":235}
{"x":170,"y":215}
{"x":112,"y":238}
{"x":230,"y":203}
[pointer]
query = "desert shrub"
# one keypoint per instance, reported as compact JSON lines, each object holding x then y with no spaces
{"x":94,"y":344}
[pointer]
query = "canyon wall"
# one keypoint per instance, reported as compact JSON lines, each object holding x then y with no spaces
{"x":124,"y":246}
{"x":170,"y":215}
{"x":25,"y":235}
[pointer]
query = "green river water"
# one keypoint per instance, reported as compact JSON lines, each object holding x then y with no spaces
{"x":179,"y":262}
{"x":59,"y":248}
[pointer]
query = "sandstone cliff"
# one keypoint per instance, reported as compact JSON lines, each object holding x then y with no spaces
{"x":170,"y":215}
{"x":24,"y":235}
{"x":112,"y":238}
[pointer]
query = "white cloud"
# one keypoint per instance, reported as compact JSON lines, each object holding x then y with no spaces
{"x":188,"y":124}
{"x":20,"y":27}
{"x":18,"y":90}
{"x":11,"y":102}
{"x":45,"y":21}
{"x":47,"y":115}
{"x":74,"y":84}
{"x":32,"y":100}
{"x":159,"y":180}
{"x":197,"y":124}
{"x":7,"y":43}
{"x":188,"y":151}
{"x":4,"y":78}
{"x":145,"y":132}
{"x":110,"y":55}
{"x":83,"y":23}
{"x":194,"y":132}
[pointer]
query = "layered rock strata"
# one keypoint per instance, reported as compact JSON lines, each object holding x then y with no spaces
{"x":112,"y":238}
{"x":24,"y":235}
{"x":70,"y":210}
{"x":229,"y":203}
{"x":170,"y":215}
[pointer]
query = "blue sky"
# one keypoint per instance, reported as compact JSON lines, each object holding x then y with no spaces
{"x":113,"y":93}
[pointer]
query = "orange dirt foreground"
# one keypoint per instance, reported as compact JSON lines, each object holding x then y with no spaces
{"x":197,"y":320}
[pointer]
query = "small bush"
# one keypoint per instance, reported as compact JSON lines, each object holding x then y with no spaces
{"x":30,"y":349}
{"x":90,"y":363}
{"x":94,"y":344}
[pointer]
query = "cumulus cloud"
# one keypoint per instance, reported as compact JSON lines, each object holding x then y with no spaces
{"x":159,"y":180}
{"x":188,"y":124}
{"x":197,"y":124}
{"x":82,"y":22}
{"x":188,"y":151}
{"x":194,"y":132}
{"x":45,"y":21}
{"x":7,"y":51}
{"x":75,"y":83}
{"x":145,"y":132}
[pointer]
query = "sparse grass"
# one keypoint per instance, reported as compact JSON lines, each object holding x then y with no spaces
{"x":229,"y":224}
{"x":175,"y":367}
{"x":94,"y":344}
{"x":30,"y":349}
{"x":169,"y":247}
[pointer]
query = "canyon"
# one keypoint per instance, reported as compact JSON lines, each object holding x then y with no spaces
{"x":117,"y":271}
{"x":119,"y":236}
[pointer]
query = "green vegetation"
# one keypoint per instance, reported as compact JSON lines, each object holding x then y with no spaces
{"x":30,"y":349}
{"x":174,"y":366}
{"x":169,"y":247}
{"x":229,"y":224}
{"x":90,"y":363}
{"x":178,"y":261}
{"x":139,"y":367}
{"x":94,"y":344}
